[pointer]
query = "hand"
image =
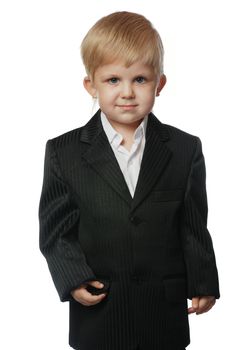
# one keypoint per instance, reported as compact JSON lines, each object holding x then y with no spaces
{"x":84,"y":297}
{"x":201,"y":304}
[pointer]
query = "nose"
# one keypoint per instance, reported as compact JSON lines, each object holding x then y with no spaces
{"x":127,"y":91}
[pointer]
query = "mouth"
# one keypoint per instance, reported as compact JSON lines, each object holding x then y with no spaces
{"x":127,"y":107}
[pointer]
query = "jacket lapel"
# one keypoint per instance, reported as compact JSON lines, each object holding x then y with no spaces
{"x":101,"y":157}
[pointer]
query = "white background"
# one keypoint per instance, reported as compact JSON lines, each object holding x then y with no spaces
{"x":42,"y":96}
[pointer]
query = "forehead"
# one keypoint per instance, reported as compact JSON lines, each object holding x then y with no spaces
{"x":119,"y":67}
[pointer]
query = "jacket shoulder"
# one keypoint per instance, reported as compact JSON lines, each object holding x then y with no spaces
{"x":67,"y":138}
{"x":182,"y":141}
{"x":176,"y":132}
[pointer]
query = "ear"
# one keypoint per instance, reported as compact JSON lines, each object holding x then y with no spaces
{"x":89,"y":86}
{"x":161,"y":84}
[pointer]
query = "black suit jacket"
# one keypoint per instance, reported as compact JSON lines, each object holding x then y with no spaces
{"x":154,"y":249}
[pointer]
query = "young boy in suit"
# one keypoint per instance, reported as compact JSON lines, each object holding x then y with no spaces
{"x":123,"y":208}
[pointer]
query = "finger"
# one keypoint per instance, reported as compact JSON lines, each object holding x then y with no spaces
{"x":209,"y":307}
{"x":88,"y":297}
{"x":204,"y":305}
{"x":205,"y":310}
{"x":195,"y":303}
{"x":191,"y":310}
{"x":101,"y":296}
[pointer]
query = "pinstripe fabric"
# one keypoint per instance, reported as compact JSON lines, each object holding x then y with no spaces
{"x":154,"y":249}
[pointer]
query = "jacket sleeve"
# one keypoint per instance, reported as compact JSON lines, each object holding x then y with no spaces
{"x":58,"y":230}
{"x":202,"y":273}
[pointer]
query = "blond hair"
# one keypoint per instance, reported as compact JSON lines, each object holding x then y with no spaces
{"x":122,"y":35}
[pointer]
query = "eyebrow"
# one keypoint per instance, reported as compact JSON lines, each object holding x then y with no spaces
{"x":117,"y":75}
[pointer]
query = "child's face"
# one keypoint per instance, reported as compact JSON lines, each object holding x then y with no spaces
{"x":125,"y":95}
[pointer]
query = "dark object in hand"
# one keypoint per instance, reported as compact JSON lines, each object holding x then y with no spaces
{"x":97,"y":291}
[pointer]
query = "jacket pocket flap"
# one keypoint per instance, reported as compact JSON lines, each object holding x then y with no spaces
{"x":175,"y":289}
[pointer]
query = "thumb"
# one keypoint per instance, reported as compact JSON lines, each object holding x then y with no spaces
{"x":96,"y":284}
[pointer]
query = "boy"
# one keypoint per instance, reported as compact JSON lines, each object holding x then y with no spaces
{"x":123,"y":208}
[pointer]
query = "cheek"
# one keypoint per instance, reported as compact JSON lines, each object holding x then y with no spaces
{"x":148,"y":96}
{"x":107,"y":95}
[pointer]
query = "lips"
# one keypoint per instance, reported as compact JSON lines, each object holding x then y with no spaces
{"x":127,"y":106}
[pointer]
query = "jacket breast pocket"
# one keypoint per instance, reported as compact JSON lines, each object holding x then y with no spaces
{"x":167,"y":195}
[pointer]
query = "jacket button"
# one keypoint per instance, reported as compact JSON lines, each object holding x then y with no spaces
{"x":135,"y":220}
{"x":136,"y":279}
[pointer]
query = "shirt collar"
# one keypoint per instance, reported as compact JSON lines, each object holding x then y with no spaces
{"x":115,"y":137}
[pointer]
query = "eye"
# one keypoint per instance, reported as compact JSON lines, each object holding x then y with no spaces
{"x":112,"y":80}
{"x":140,"y":79}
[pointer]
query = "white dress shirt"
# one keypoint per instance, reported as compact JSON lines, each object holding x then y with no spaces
{"x":129,"y":162}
